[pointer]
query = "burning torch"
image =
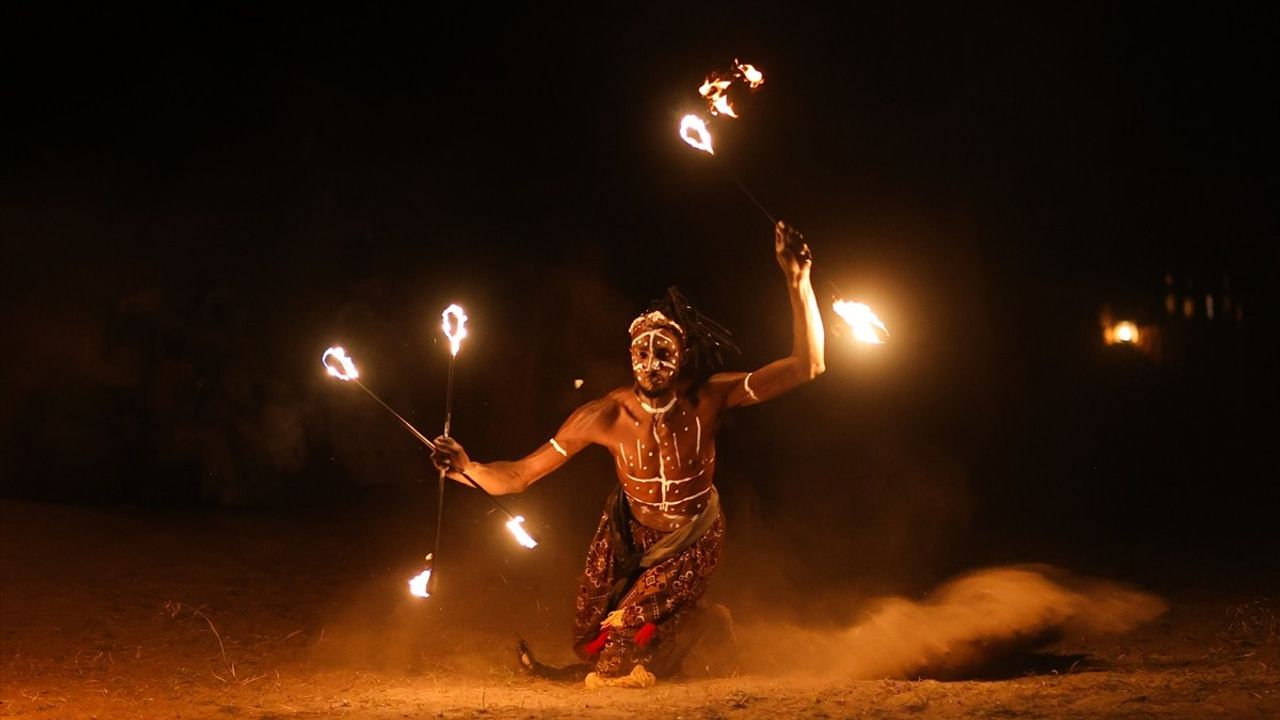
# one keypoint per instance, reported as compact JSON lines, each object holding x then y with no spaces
{"x":866,"y":327}
{"x":454,"y":324}
{"x":340,"y":365}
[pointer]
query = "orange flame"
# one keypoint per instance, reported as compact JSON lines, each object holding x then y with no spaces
{"x":866,"y":327}
{"x":714,"y":89}
{"x":754,"y":77}
{"x":694,"y":132}
{"x":348,"y":371}
{"x":515,"y":525}
{"x":456,"y":329}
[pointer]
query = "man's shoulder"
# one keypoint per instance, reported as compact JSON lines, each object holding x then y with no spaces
{"x":592,"y":420}
{"x":606,"y":406}
{"x":617,"y":395}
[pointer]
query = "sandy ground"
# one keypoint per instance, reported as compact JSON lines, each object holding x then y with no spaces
{"x":128,"y":613}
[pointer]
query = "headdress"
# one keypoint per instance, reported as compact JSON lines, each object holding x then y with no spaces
{"x":706,"y":341}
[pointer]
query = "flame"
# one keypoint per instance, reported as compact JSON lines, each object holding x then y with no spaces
{"x":417,"y":583}
{"x":862,"y":321}
{"x":702,"y":141}
{"x":348,"y":371}
{"x":517,"y":528}
{"x":714,"y":90}
{"x":455,"y":330}
{"x":754,"y":77}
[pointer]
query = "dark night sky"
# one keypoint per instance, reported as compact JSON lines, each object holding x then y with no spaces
{"x":194,"y":205}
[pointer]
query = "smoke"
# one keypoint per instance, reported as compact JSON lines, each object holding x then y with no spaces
{"x":969,"y":627}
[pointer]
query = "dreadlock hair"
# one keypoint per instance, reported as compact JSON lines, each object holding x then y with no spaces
{"x":706,"y":342}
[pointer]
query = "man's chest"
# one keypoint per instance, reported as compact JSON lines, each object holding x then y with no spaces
{"x":673,"y":444}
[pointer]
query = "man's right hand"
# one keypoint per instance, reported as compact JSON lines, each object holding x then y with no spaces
{"x":792,"y":252}
{"x":449,"y":455}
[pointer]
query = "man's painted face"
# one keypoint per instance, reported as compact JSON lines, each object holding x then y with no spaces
{"x":655,"y":360}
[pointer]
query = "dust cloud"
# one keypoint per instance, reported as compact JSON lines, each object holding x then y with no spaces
{"x":976,"y":625}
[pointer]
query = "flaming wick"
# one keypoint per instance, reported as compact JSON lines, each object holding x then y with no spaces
{"x":516,"y":526}
{"x":694,"y":131}
{"x":418,"y":583}
{"x":715,"y":89}
{"x":455,"y":328}
{"x":862,"y":321}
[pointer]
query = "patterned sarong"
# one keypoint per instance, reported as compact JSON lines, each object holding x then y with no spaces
{"x":656,"y":578}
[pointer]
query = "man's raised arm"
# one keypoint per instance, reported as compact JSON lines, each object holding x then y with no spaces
{"x":806,"y":360}
{"x":583,"y":427}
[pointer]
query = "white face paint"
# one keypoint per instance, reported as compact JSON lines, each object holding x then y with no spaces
{"x":655,"y":360}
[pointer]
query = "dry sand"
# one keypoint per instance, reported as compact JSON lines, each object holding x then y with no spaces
{"x":131,"y":613}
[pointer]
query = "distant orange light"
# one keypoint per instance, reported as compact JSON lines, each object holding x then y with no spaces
{"x":1124,"y":332}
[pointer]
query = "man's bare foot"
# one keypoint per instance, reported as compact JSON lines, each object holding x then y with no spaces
{"x":638,"y":679}
{"x":524,"y":656}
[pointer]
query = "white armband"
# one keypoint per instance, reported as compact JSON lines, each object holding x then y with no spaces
{"x":559,"y":449}
{"x":746,"y":385}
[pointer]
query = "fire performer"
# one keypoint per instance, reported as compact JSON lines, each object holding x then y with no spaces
{"x":659,"y":538}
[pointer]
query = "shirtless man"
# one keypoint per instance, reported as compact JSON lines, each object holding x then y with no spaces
{"x":659,"y":538}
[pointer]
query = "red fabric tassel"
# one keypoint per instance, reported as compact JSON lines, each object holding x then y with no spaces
{"x":598,"y":644}
{"x":645,"y":634}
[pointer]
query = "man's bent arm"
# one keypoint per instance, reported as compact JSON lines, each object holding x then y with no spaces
{"x":504,"y":477}
{"x":807,"y":358}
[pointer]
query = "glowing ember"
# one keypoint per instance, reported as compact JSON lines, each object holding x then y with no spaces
{"x":694,"y":132}
{"x":455,"y":327}
{"x":516,"y":526}
{"x":418,"y":583}
{"x":348,"y":371}
{"x":867,"y":328}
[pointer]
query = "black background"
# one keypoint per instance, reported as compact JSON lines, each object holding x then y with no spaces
{"x":194,"y":205}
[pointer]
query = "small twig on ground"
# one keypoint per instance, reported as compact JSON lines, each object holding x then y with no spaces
{"x":174,"y":607}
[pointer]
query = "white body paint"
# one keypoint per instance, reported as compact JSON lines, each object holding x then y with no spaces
{"x":658,"y":488}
